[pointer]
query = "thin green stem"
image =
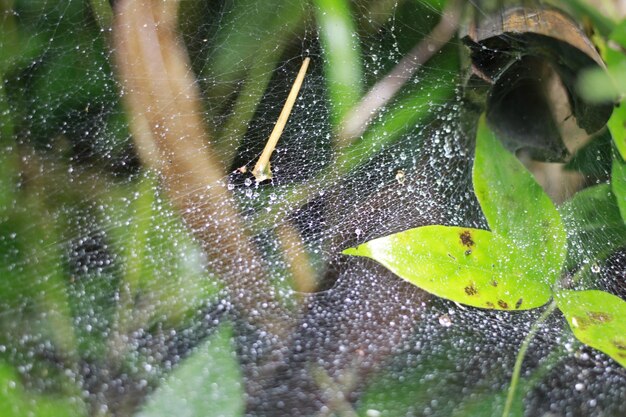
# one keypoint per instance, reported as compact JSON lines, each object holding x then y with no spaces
{"x":103,"y":13}
{"x":520,"y":357}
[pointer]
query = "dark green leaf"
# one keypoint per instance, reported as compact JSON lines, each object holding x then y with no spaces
{"x":594,"y":159}
{"x":597,"y":319}
{"x":593,"y":223}
{"x":618,"y":183}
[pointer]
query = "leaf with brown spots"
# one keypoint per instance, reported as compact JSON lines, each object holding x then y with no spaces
{"x":597,"y":319}
{"x":519,"y":259}
{"x":436,"y":259}
{"x":471,"y":290}
{"x":466,"y":238}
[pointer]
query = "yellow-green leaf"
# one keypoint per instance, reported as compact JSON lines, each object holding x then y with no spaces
{"x":597,"y":319}
{"x":470,"y":266}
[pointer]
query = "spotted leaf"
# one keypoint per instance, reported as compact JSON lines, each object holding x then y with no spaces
{"x":597,"y":320}
{"x":470,"y":266}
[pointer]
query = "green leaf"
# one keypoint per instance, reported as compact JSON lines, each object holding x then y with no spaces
{"x":597,"y":319}
{"x":619,"y":33}
{"x":488,"y":405}
{"x":163,"y":268}
{"x":515,"y":205}
{"x":594,"y":159}
{"x":594,"y":225}
{"x":617,"y":126}
{"x":404,"y":387}
{"x":598,"y":85}
{"x":206,"y":384}
{"x":618,"y":184}
{"x":512,"y":267}
{"x":616,"y":70}
{"x":103,"y":12}
{"x":342,"y":55}
{"x":470,"y":266}
{"x":17,"y":401}
{"x":243,"y":39}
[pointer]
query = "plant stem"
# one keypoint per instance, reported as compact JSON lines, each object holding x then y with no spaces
{"x":103,"y":13}
{"x":520,"y":357}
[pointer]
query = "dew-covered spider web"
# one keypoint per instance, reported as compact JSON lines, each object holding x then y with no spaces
{"x":145,"y":271}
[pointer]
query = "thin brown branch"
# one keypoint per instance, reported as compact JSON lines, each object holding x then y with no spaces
{"x":383,"y":91}
{"x":163,"y":104}
{"x":302,"y":273}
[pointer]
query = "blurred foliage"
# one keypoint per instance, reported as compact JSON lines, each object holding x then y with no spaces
{"x":95,"y":265}
{"x":18,"y":401}
{"x":594,"y":225}
{"x":206,"y":384}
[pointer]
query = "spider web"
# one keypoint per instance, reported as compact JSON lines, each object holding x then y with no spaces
{"x":103,"y":291}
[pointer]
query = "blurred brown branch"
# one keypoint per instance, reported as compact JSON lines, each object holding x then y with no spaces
{"x":384,"y":90}
{"x":164,"y":110}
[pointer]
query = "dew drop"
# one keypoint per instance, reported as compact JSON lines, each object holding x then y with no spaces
{"x":445,"y":320}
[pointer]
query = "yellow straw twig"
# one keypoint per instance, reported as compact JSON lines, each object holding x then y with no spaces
{"x":262,"y":170}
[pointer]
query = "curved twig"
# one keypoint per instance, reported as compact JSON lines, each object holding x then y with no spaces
{"x":384,"y":90}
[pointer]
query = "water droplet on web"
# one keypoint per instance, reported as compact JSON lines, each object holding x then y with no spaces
{"x":400,"y":176}
{"x":445,"y":320}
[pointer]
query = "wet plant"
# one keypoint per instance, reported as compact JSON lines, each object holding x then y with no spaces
{"x":180,"y":183}
{"x":516,"y":265}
